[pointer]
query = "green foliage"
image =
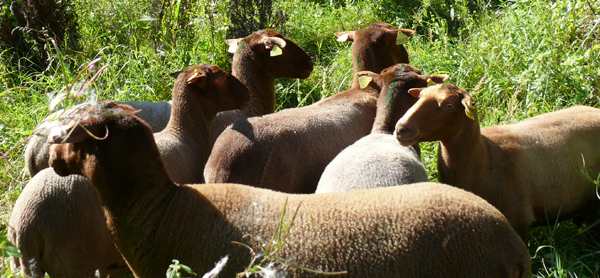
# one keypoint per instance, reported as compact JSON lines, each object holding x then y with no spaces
{"x":518,"y":59}
{"x":175,"y":269}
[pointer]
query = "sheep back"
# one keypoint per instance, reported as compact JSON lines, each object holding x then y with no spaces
{"x":50,"y":212}
{"x":376,"y":160}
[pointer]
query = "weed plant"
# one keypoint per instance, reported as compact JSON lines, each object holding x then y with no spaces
{"x":518,"y":58}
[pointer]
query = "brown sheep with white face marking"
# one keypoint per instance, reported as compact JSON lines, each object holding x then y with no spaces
{"x":378,"y":160}
{"x":531,"y":171}
{"x":421,"y":230}
{"x":50,"y":239}
{"x":257,"y":65}
{"x":288,"y":150}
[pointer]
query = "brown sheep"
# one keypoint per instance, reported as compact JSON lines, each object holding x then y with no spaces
{"x":252,"y":64}
{"x":255,"y":66}
{"x":421,"y":230}
{"x":377,"y":160}
{"x":198,"y":94}
{"x":156,"y":114}
{"x":377,"y":47}
{"x":287,"y":151}
{"x":532,"y":171}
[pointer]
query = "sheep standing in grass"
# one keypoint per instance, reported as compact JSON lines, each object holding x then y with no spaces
{"x":288,"y":150}
{"x":532,"y":171}
{"x":421,"y":230}
{"x":258,"y":60}
{"x":54,"y":216}
{"x":378,"y":160}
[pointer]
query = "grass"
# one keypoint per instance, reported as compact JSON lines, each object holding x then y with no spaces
{"x":518,"y":58}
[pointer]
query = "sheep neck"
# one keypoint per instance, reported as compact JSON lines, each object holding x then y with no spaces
{"x":392,"y":104}
{"x":191,"y":114}
{"x":251,"y":71}
{"x":463,"y":158}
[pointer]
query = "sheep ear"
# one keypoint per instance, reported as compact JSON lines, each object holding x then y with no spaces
{"x":176,"y":74}
{"x":197,"y":78}
{"x":73,"y":133}
{"x":365,"y":78}
{"x":346,"y":36}
{"x":437,"y":79}
{"x":233,"y":44}
{"x":415,"y":92}
{"x":400,"y":35}
{"x":469,"y":108}
{"x":275,"y":44}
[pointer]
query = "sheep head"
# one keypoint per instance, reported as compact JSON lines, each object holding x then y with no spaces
{"x":441,"y":112}
{"x":394,"y":99}
{"x":75,"y":140}
{"x":377,"y":47}
{"x":277,"y":54}
{"x":214,"y":84}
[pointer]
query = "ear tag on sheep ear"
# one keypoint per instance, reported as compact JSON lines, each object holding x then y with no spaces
{"x":276,"y":51}
{"x":364,"y":81}
{"x":468,"y":111}
{"x":401,"y":38}
{"x":343,"y":38}
{"x":194,"y":77}
{"x":430,"y":82}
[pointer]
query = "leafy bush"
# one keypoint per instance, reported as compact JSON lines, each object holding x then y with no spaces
{"x":27,"y":25}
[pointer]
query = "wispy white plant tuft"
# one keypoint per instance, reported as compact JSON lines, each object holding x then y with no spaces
{"x":218,"y":268}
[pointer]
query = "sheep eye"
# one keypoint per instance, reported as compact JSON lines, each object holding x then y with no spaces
{"x":449,"y":106}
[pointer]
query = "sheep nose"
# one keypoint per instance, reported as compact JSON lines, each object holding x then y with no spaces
{"x":405,"y":132}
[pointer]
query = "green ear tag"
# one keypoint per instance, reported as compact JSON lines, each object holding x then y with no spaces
{"x":401,"y":38}
{"x":468,"y":111}
{"x":364,"y":81}
{"x":276,"y":51}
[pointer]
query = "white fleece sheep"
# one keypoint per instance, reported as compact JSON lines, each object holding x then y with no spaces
{"x":421,"y":230}
{"x":378,"y":160}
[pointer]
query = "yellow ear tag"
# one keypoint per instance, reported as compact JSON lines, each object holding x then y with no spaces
{"x":276,"y":51}
{"x":343,"y":38}
{"x":468,"y":111}
{"x":364,"y":81}
{"x":430,"y":82}
{"x":401,"y":38}
{"x":233,"y":47}
{"x":193,"y":77}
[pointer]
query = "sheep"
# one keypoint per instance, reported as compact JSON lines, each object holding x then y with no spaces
{"x":288,"y":150}
{"x":198,"y":94}
{"x":532,"y":171}
{"x":376,"y":47}
{"x":257,"y":64}
{"x":378,"y":160}
{"x":252,"y":64}
{"x":156,"y":114}
{"x":58,"y":225}
{"x":421,"y":230}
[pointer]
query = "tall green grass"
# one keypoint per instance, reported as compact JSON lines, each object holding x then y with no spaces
{"x":518,"y":58}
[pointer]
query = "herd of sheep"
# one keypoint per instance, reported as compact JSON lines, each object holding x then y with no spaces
{"x":222,"y":167}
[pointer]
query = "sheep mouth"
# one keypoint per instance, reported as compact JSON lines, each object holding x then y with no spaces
{"x":407,"y":140}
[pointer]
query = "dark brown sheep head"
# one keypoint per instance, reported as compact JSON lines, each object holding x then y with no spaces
{"x":377,"y":46}
{"x":394,"y":83}
{"x":214,"y":84}
{"x":282,"y":57}
{"x":441,"y":112}
{"x":77,"y":138}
